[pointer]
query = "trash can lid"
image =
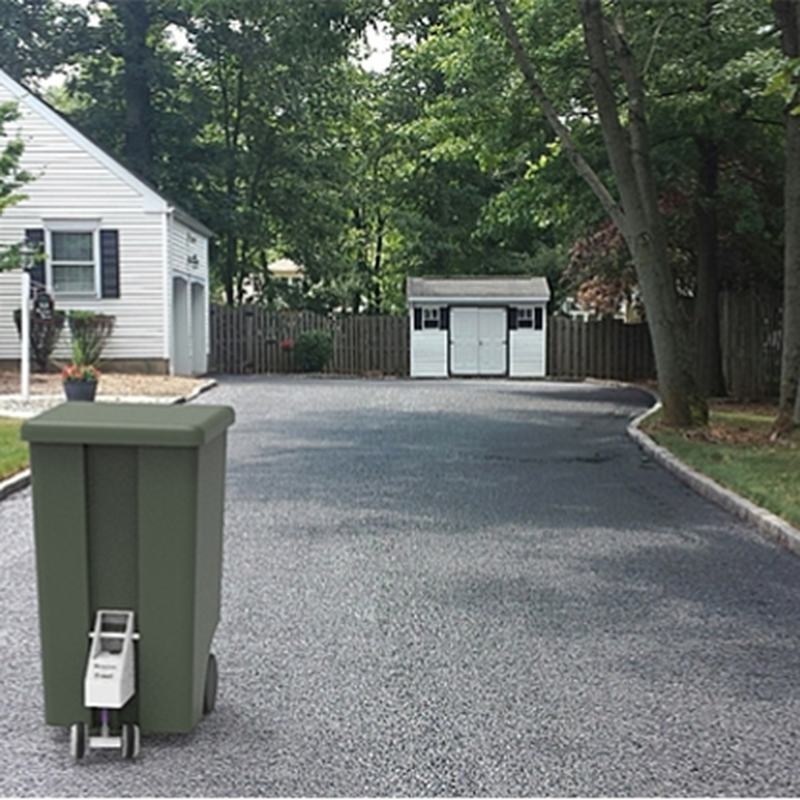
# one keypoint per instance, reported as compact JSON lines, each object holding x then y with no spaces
{"x":136,"y":424}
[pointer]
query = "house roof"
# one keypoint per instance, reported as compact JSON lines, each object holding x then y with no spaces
{"x":153,"y":199}
{"x":286,"y":268}
{"x":478,"y":290}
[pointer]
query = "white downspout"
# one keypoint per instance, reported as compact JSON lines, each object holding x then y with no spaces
{"x":169,"y":322}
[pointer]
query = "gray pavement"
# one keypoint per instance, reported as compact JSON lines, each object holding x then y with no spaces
{"x":454,"y":588}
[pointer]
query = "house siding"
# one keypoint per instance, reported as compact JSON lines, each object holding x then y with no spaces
{"x":71,"y":183}
{"x":10,"y":295}
{"x":188,"y":262}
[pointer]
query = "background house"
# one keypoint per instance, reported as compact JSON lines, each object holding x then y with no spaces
{"x":112,"y":244}
{"x":478,"y":327}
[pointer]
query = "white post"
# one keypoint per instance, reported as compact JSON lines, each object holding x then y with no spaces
{"x":25,"y":366}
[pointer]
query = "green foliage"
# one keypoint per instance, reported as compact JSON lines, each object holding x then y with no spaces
{"x":264,"y":128}
{"x":736,"y":452}
{"x":37,"y":36}
{"x":13,"y":451}
{"x":12,"y":178}
{"x":89,"y":332}
{"x":313,"y":350}
{"x":784,"y":83}
{"x":44,"y":336}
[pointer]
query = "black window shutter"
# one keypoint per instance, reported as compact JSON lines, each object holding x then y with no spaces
{"x":444,"y":319}
{"x":512,"y":319}
{"x":109,"y":263}
{"x":538,"y":318}
{"x":34,"y":239}
{"x":417,"y":319}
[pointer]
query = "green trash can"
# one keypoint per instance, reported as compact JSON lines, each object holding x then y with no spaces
{"x":128,"y":503}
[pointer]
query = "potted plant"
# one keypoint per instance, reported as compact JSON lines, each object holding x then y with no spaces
{"x":89,"y":332}
{"x":80,"y":381}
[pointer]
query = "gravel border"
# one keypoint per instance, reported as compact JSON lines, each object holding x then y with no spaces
{"x":12,"y":406}
{"x":767,"y":523}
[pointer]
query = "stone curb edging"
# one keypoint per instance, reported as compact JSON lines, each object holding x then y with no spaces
{"x":23,"y":479}
{"x":767,"y":523}
{"x":15,"y":483}
{"x":193,"y":395}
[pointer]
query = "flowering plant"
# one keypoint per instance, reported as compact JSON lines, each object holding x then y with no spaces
{"x":287,"y":344}
{"x":80,"y":372}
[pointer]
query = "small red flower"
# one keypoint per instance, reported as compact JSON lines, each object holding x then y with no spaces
{"x":287,"y":344}
{"x":80,"y":372}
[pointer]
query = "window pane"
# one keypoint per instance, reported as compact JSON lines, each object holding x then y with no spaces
{"x":72,"y":246}
{"x":430,"y":317}
{"x":73,"y":279}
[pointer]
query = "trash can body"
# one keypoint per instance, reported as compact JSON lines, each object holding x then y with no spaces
{"x":128,"y":504}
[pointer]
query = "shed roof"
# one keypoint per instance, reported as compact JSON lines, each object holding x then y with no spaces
{"x":478,"y":290}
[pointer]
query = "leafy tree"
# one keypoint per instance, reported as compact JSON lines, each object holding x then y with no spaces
{"x":39,"y":36}
{"x":131,"y":90}
{"x":788,"y":16}
{"x":12,"y":178}
{"x":453,"y":205}
{"x":620,"y":48}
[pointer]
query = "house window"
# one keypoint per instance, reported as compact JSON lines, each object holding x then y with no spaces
{"x":73,"y":262}
{"x":430,"y":318}
{"x":78,"y":258}
{"x":525,"y":318}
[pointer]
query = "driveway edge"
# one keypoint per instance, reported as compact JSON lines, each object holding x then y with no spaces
{"x":15,"y":483}
{"x":22,"y":479}
{"x":767,"y":523}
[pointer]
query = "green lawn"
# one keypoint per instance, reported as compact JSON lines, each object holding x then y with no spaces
{"x":735,"y":451}
{"x":13,"y":452}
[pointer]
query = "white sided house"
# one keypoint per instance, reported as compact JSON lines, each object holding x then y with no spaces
{"x":478,"y":327}
{"x":111,"y":245}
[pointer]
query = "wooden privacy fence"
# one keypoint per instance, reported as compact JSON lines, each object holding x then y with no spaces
{"x":751,"y":335}
{"x":248,"y":340}
{"x":251,"y":340}
{"x":606,"y":348}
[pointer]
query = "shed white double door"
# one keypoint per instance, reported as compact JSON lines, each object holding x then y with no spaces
{"x":478,"y":341}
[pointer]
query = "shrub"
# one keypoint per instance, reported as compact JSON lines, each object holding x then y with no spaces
{"x":90,"y":332}
{"x":313,"y":350}
{"x":44,"y":336}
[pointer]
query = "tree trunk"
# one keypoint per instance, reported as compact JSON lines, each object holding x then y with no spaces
{"x":788,"y":15}
{"x":790,"y":357}
{"x":636,"y":213}
{"x":138,"y":102}
{"x":377,"y":264}
{"x":644,"y":229}
{"x":229,"y":269}
{"x":708,"y":351}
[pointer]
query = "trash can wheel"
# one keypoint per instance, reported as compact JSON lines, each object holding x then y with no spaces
{"x":78,"y":740}
{"x":210,"y":693}
{"x":130,"y":740}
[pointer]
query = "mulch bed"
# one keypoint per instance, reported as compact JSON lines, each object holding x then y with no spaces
{"x":112,"y":384}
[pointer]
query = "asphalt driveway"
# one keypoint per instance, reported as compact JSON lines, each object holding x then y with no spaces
{"x":453,"y":588}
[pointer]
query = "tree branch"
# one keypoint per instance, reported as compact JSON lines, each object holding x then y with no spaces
{"x":639,"y":140}
{"x":654,"y":43}
{"x":583,"y":168}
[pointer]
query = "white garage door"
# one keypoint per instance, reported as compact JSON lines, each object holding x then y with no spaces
{"x":478,"y":341}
